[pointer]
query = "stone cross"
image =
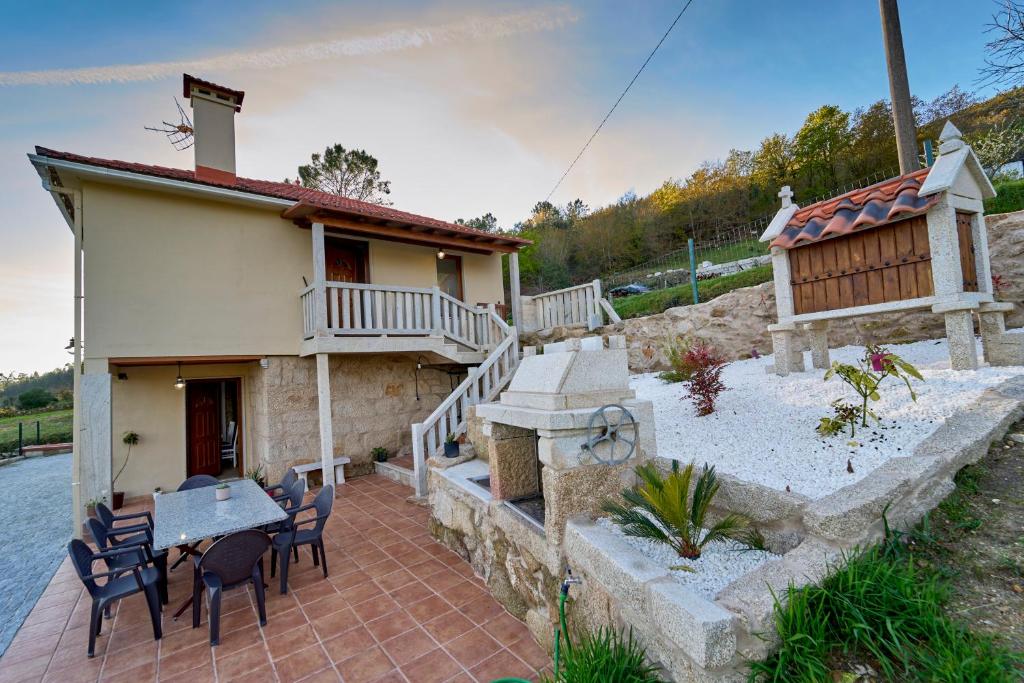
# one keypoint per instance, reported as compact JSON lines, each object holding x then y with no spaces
{"x":786,"y":195}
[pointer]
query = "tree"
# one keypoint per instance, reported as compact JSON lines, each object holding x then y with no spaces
{"x":35,"y":398}
{"x":349,"y":173}
{"x":948,"y":103}
{"x":873,"y":140}
{"x":773,"y":162}
{"x":997,"y":147}
{"x":486,"y":223}
{"x":821,"y":145}
{"x":1004,"y":64}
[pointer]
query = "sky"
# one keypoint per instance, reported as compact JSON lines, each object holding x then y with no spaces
{"x":469,"y":106}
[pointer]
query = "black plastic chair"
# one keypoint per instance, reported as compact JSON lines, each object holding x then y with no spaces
{"x":132,"y":578}
{"x":110,"y":519}
{"x":287,"y":541}
{"x":291,"y":500}
{"x":284,"y":486}
{"x":196,"y":481}
{"x":107,"y":538}
{"x":232,"y":561}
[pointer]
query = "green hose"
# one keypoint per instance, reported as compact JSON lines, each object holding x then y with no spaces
{"x":559,"y":630}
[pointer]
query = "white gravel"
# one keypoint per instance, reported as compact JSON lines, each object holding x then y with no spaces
{"x":720,"y":563}
{"x":763,"y":427}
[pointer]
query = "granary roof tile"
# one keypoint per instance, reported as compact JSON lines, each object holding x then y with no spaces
{"x":885,"y":202}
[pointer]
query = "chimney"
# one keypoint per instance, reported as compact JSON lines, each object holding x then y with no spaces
{"x":213,"y":118}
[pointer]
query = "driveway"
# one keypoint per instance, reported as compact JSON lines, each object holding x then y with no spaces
{"x":36,"y":511}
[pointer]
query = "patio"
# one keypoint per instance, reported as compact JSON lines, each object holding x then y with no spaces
{"x":398,"y":606}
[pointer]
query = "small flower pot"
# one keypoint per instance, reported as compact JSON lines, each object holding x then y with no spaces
{"x":451,"y":449}
{"x":118,"y":500}
{"x":223,"y":493}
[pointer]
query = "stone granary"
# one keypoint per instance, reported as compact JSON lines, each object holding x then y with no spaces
{"x":913,"y":242}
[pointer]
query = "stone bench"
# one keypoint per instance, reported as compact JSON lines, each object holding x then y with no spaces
{"x":339,"y":470}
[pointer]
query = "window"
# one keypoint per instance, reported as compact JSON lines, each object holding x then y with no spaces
{"x":449,"y":275}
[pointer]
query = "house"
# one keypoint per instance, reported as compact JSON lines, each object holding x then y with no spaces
{"x":235,"y":323}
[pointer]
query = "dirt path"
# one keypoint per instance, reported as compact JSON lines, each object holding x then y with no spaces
{"x":976,"y":537}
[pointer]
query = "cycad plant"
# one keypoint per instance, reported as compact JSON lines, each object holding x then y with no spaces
{"x":662,"y":509}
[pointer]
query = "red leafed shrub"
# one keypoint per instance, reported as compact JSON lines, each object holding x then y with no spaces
{"x":705,"y":382}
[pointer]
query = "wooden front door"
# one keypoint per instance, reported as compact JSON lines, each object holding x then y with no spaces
{"x":202,"y":432}
{"x":345,"y":261}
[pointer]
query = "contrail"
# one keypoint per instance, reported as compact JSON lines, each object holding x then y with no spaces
{"x":471,"y":29}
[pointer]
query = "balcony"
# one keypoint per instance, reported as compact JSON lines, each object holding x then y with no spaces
{"x":345,"y":317}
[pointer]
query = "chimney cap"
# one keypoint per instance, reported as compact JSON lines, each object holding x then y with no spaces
{"x":219,"y":91}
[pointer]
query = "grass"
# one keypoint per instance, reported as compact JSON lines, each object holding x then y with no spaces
{"x":887,"y":607}
{"x":54,"y":427}
{"x":681,"y":259}
{"x":657,"y":301}
{"x":1009,"y":197}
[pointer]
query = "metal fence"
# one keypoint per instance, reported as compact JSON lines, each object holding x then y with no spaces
{"x":715,"y":250}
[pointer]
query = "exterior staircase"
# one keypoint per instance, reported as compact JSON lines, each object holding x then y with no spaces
{"x":482,"y":385}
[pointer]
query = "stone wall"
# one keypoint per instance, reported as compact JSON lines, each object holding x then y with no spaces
{"x":737,"y":322}
{"x":373,"y":404}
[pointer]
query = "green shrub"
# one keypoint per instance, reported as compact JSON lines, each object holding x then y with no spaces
{"x":35,"y":398}
{"x":883,"y":607}
{"x":659,"y":300}
{"x":661,"y":509}
{"x":605,"y":657}
{"x":1009,"y":197}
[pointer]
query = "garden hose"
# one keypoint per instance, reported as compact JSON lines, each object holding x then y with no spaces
{"x":563,"y":594}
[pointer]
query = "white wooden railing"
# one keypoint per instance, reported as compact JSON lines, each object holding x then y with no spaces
{"x":483,"y":384}
{"x":351,"y":309}
{"x":579,"y":305}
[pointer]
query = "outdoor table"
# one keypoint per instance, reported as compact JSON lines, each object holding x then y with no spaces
{"x":182,"y":518}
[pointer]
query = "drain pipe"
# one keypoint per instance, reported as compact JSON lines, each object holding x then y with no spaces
{"x":76,"y":374}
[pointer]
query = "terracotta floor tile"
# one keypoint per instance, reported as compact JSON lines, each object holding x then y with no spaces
{"x":449,"y":625}
{"x":530,"y":652}
{"x":387,"y":572}
{"x":390,"y":625}
{"x":248,"y":659}
{"x":301,"y":664}
{"x":335,"y":623}
{"x":427,"y":609}
{"x":408,"y":646}
{"x":472,"y":647}
{"x":365,"y":666}
{"x":325,"y":676}
{"x":504,"y":664}
{"x":290,"y":642}
{"x":463,"y":593}
{"x":506,"y":629}
{"x":348,"y":644}
{"x":143,"y":672}
{"x":377,"y":607}
{"x":433,"y":667}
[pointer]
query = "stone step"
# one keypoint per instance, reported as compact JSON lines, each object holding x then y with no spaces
{"x":394,"y":472}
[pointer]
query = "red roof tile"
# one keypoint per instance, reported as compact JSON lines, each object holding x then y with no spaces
{"x":885,"y":202}
{"x":296,"y":193}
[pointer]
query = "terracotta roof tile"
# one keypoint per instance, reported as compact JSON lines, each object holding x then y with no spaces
{"x":885,"y":202}
{"x":295,"y":193}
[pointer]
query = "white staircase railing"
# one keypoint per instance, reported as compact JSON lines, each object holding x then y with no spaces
{"x":581,"y":305}
{"x":483,"y":384}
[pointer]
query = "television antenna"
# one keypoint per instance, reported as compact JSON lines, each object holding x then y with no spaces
{"x":181,"y":135}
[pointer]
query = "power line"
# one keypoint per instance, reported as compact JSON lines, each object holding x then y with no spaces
{"x":610,"y":111}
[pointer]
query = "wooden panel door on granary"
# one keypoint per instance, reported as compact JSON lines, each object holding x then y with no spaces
{"x":968,"y":264}
{"x":878,"y":265}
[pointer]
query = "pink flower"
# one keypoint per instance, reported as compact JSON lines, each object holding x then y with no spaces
{"x":879,"y":361}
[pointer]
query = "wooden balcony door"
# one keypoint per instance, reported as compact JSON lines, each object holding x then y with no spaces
{"x":449,"y":275}
{"x":202,"y":427}
{"x":345,"y":261}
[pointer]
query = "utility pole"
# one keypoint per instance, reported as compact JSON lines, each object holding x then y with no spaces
{"x":899,"y":87}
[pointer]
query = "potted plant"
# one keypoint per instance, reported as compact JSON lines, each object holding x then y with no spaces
{"x":129,"y":439}
{"x":90,"y":506}
{"x":451,"y":446}
{"x":223,"y":491}
{"x":156,"y":492}
{"x":379,"y":454}
{"x":256,"y":474}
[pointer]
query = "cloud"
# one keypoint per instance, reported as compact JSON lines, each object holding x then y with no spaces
{"x":479,"y":28}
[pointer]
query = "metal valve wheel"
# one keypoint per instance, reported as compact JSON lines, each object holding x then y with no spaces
{"x":601,"y":429}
